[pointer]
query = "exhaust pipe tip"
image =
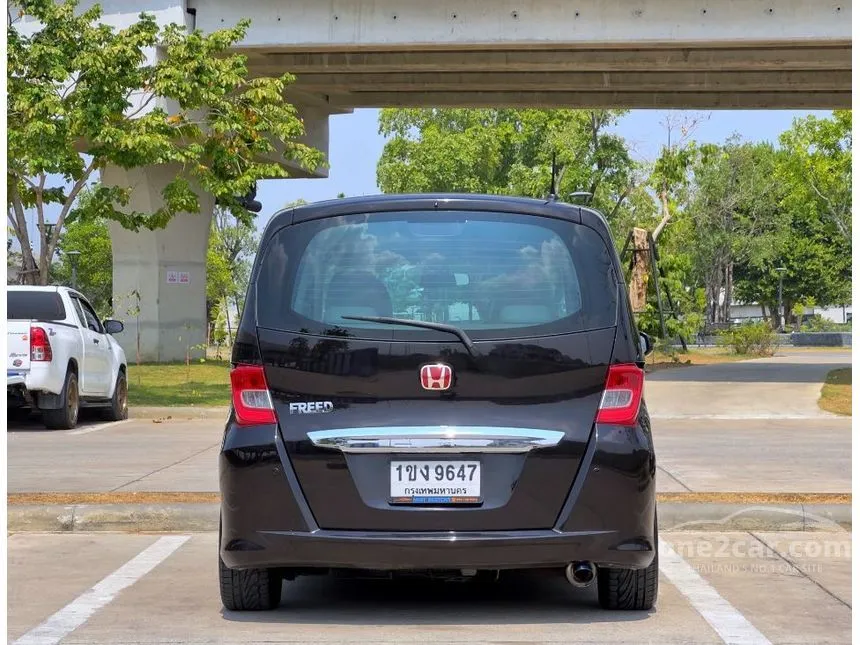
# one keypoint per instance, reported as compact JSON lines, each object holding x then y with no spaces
{"x":580,"y":574}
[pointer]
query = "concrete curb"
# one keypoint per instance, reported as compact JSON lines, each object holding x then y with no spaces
{"x":179,"y":413}
{"x":203,"y":517}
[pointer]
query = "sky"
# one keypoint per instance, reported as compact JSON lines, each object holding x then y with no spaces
{"x":355,"y":146}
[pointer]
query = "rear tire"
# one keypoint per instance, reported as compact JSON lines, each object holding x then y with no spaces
{"x":249,"y":589}
{"x":118,"y":410}
{"x":628,"y":589}
{"x":65,"y":417}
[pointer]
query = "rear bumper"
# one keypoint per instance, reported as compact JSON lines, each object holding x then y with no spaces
{"x":608,"y":517}
{"x":393,"y":551}
{"x":39,"y":377}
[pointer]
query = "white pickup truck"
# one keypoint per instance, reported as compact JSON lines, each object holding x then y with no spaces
{"x":61,"y":357}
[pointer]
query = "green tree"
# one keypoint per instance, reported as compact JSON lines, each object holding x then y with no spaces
{"x":94,"y":264}
{"x":77,"y":84}
{"x":816,"y":168}
{"x":232,"y":246}
{"x":671,"y":175}
{"x":813,"y":171}
{"x":508,"y":152}
{"x":817,"y":262}
{"x":219,"y":280}
{"x":733,"y":217}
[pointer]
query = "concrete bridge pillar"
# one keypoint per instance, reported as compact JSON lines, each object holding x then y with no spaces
{"x":167,"y":268}
{"x":159,"y":277}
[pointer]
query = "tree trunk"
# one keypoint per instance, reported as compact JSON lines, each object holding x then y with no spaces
{"x":728,"y":291}
{"x":639,"y":276}
{"x":664,"y":200}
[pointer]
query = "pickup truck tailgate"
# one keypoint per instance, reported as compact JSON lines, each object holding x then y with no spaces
{"x":18,"y":347}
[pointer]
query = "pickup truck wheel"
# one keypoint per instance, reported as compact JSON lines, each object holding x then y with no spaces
{"x":65,"y":417}
{"x":118,"y":409}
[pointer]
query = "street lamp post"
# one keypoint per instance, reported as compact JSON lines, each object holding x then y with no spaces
{"x":73,"y":258}
{"x":781,"y":271}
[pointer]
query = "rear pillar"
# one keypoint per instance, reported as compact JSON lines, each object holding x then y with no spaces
{"x":159,"y":277}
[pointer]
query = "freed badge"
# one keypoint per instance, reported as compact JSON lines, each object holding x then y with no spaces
{"x":311,"y":407}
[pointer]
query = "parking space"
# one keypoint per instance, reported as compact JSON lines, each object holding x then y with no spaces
{"x":753,"y":455}
{"x":136,"y":454}
{"x":762,"y":588}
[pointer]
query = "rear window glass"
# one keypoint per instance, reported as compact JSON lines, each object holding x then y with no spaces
{"x":34,"y":305}
{"x":493,"y":275}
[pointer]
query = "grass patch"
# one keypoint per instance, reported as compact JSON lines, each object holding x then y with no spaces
{"x":836,"y":392}
{"x":658,"y":360}
{"x":176,"y":384}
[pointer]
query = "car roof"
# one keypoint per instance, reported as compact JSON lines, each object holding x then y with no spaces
{"x":50,"y":288}
{"x":428,"y":201}
{"x":28,"y":287}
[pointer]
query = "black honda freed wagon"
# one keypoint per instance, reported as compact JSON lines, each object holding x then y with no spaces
{"x":437,"y":384}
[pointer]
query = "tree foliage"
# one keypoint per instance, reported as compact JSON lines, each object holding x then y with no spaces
{"x":75,"y":83}
{"x":510,"y":152}
{"x":232,"y":246}
{"x":726,"y":216}
{"x":816,"y":168}
{"x":90,"y":237}
{"x":735,"y":217}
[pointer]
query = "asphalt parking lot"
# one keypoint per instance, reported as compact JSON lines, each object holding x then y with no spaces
{"x":752,"y":588}
{"x":747,"y":427}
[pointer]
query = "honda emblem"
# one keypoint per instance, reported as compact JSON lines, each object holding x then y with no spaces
{"x":436,"y":376}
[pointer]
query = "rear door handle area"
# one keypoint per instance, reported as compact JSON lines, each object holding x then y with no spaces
{"x":96,"y":341}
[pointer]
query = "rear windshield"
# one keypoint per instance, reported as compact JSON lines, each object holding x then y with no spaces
{"x":34,"y":305}
{"x":493,"y":275}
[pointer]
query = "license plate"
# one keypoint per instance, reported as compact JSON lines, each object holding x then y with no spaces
{"x":435,"y":482}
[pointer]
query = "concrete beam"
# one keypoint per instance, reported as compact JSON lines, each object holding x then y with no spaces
{"x":602,"y":100}
{"x":679,"y":57}
{"x":347,"y":23}
{"x":806,"y":81}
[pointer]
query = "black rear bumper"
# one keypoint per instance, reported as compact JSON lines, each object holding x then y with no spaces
{"x":608,"y":518}
{"x":398,"y":551}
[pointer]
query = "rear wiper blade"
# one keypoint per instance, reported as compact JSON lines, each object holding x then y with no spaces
{"x":451,"y":329}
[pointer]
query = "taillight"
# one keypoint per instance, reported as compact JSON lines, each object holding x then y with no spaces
{"x":622,"y":395}
{"x":40,"y":346}
{"x":251,"y":398}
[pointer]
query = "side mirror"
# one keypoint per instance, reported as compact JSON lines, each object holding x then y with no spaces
{"x":645,"y":343}
{"x":113,"y":326}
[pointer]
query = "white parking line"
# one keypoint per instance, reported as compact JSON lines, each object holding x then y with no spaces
{"x":79,"y":611}
{"x":730,"y":624}
{"x":101,"y":426}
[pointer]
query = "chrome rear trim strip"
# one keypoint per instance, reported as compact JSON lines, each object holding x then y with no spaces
{"x":428,"y":439}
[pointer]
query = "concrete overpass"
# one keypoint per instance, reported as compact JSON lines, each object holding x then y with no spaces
{"x":702,"y":54}
{"x":581,"y":53}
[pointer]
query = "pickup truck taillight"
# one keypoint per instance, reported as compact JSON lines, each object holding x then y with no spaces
{"x":40,"y":346}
